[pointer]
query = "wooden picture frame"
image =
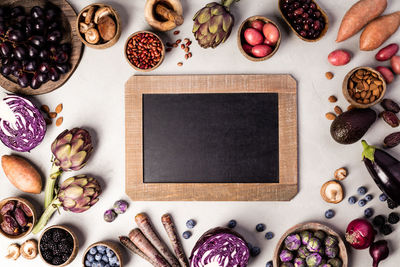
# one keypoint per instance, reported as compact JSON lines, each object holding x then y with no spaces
{"x":286,"y":88}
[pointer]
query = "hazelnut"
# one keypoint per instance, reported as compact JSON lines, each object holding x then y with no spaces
{"x":92,"y":36}
{"x":340,"y":174}
{"x":332,"y":192}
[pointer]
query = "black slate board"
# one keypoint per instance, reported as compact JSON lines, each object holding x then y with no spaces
{"x":210,"y":138}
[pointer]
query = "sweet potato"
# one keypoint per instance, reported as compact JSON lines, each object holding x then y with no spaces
{"x":358,"y":16}
{"x":21,"y":174}
{"x":378,"y":31}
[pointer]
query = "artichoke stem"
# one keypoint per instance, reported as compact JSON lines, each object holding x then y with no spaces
{"x":46,"y":215}
{"x":228,"y":3}
{"x":50,"y":185}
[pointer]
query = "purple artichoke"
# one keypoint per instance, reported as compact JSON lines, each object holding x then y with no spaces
{"x":305,"y":237}
{"x":314,"y":244}
{"x":293,"y":242}
{"x":299,"y":262}
{"x":302,"y":252}
{"x":286,"y":255}
{"x":332,"y":252}
{"x":313,"y":260}
{"x":331,"y":241}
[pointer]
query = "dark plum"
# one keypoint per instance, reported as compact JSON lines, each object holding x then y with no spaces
{"x":17,"y":11}
{"x":37,"y":12}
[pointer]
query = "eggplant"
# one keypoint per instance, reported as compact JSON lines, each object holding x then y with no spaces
{"x":384,"y":169}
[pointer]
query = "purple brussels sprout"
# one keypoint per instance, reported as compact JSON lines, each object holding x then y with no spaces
{"x":287,"y":264}
{"x":299,"y":262}
{"x":293,"y":242}
{"x":120,"y":206}
{"x":325,"y":265}
{"x":314,"y":260}
{"x":286,"y":255}
{"x":332,"y":252}
{"x":303,"y":252}
{"x":109,"y":215}
{"x":331,"y":241}
{"x":305,"y":237}
{"x":313,"y":244}
{"x":335,"y":262}
{"x":321,"y":251}
{"x":320,"y":234}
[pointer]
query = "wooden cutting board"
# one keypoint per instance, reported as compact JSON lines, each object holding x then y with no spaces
{"x":211,"y":138}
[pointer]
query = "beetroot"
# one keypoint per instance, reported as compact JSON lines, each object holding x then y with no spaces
{"x":360,"y":234}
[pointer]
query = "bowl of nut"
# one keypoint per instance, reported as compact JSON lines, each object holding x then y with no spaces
{"x":363,"y":87}
{"x":144,"y":51}
{"x":99,"y":26}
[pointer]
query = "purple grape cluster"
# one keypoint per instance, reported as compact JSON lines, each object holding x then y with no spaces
{"x":304,"y":17}
{"x":31,"y":45}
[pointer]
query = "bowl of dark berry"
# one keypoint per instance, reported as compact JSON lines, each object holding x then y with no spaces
{"x":39,"y":45}
{"x":310,"y":244}
{"x":17,"y":217}
{"x":58,"y":245}
{"x":104,"y":253}
{"x":306,"y":19}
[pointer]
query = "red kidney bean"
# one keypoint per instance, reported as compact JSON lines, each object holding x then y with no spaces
{"x":395,"y":63}
{"x":387,"y":52}
{"x":144,"y":50}
{"x":386,"y":73}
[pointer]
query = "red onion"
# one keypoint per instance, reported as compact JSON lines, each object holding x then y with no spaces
{"x":360,"y":234}
{"x":379,"y":251}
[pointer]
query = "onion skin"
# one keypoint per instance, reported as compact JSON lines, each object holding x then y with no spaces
{"x":379,"y":251}
{"x":360,"y":234}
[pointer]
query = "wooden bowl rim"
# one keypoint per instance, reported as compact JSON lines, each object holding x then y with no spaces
{"x":30,"y":206}
{"x":350,"y":99}
{"x":323,"y":32}
{"x":106,"y":44}
{"x":74,"y":251}
{"x":112,"y":245}
{"x":240,"y":41}
{"x":314,"y":226}
{"x":162,"y":51}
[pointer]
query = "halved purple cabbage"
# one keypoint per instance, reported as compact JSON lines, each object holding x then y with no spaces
{"x":29,"y":128}
{"x":221,"y":245}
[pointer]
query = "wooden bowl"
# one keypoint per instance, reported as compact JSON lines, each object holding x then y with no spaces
{"x":162,"y":52}
{"x":100,"y":45}
{"x":68,"y":17}
{"x":240,"y":38}
{"x":353,"y":101}
{"x":74,"y":251}
{"x":323,"y":14}
{"x":29,"y":205}
{"x":114,"y":247}
{"x":313,"y":226}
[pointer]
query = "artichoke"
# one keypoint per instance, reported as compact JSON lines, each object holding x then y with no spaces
{"x":77,"y":194}
{"x":71,"y":150}
{"x":213,"y":24}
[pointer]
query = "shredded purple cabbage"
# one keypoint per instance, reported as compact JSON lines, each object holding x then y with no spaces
{"x":29,"y":129}
{"x":222,"y":246}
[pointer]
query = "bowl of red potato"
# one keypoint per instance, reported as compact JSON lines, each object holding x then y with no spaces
{"x":258,"y":38}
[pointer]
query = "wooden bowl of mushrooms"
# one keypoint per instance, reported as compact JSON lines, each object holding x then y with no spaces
{"x":99,"y":26}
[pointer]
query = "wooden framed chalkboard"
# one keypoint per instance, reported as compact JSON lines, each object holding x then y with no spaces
{"x":211,"y":137}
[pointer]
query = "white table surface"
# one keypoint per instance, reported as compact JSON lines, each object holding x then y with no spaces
{"x":94,"y":98}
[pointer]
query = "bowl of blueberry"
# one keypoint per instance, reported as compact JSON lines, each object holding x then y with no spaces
{"x":58,"y":245}
{"x":102,"y":254}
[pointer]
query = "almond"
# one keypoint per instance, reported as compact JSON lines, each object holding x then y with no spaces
{"x":59,"y":108}
{"x":330,"y":116}
{"x":45,"y":108}
{"x":52,"y":115}
{"x":59,"y":121}
{"x":338,"y":110}
{"x":329,"y":75}
{"x":332,"y":99}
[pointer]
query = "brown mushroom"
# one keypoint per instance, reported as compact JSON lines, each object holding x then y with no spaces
{"x":83,"y":27}
{"x":29,"y":249}
{"x":92,"y":36}
{"x":101,"y":12}
{"x":163,"y":15}
{"x":107,"y":28}
{"x":332,"y":192}
{"x":13,"y":251}
{"x":89,"y":15}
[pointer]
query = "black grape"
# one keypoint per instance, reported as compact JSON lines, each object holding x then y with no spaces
{"x":5,"y":49}
{"x":53,"y":74}
{"x":33,"y":52}
{"x":44,"y":54}
{"x":44,"y":67}
{"x":16,"y":35}
{"x":39,"y":25}
{"x":63,"y":68}
{"x":37,"y":12}
{"x":17,"y":11}
{"x":23,"y":80}
{"x":61,"y":57}
{"x":6,"y":70}
{"x":38,"y":40}
{"x":42,"y":77}
{"x":20,"y":53}
{"x":51,"y":13}
{"x":54,"y":36}
{"x":53,"y":26}
{"x":35,"y":83}
{"x":30,"y":65}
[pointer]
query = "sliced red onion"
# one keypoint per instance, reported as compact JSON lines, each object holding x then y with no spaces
{"x":28,"y":128}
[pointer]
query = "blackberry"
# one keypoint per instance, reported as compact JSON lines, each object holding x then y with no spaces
{"x":47,"y":255}
{"x":393,"y":218}
{"x":379,"y":221}
{"x":65,"y":257}
{"x":63,"y":246}
{"x":386,"y":229}
{"x":43,"y":246}
{"x":391,"y":204}
{"x":57,"y":261}
{"x":52,"y":246}
{"x":58,"y":235}
{"x":46,"y":237}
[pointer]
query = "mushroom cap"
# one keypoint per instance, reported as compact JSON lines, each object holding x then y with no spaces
{"x":107,"y":28}
{"x":92,"y":36}
{"x":161,"y":25}
{"x":13,"y":251}
{"x":332,"y":192}
{"x":89,"y":15}
{"x":101,"y":12}
{"x":29,"y":249}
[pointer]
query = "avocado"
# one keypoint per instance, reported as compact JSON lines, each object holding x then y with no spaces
{"x":351,"y":125}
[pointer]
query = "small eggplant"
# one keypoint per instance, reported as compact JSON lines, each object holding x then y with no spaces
{"x":384,"y":169}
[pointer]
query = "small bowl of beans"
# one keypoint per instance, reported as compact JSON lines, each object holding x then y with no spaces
{"x":363,"y":87}
{"x":144,"y":51}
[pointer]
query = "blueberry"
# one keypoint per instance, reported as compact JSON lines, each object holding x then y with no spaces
{"x":90,"y":257}
{"x":269,"y":264}
{"x":107,"y":265}
{"x":104,"y":258}
{"x":101,"y":249}
{"x":260,"y":227}
{"x":362,"y":190}
{"x":102,"y":264}
{"x":187,"y":234}
{"x":269,"y":235}
{"x":383,"y":197}
{"x":109,"y":253}
{"x":249,"y":245}
{"x":93,"y":250}
{"x":191,"y":224}
{"x":329,"y":214}
{"x":88,"y":263}
{"x":368,"y":212}
{"x":232,"y":224}
{"x":97,"y":257}
{"x":362,"y":202}
{"x":255,"y":251}
{"x":352,"y":200}
{"x":368,"y":197}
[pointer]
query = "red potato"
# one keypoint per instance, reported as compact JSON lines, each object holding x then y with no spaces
{"x":257,"y":24}
{"x":21,"y":174}
{"x":378,"y":31}
{"x":271,"y":34}
{"x":395,"y":63}
{"x":339,"y":57}
{"x":386,"y":73}
{"x":253,"y":37}
{"x":261,"y":50}
{"x":358,"y":16}
{"x":247,"y":48}
{"x":387,"y":52}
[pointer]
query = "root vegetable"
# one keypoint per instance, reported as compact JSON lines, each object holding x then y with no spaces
{"x":387,"y":52}
{"x":145,"y":225}
{"x":141,"y":242}
{"x":261,"y":50}
{"x":379,"y":251}
{"x":386,"y":73}
{"x":358,"y":16}
{"x":247,"y":48}
{"x":21,"y":174}
{"x":132,"y":247}
{"x":395,"y":63}
{"x":172,"y":233}
{"x":339,"y":57}
{"x":379,"y":30}
{"x":360,"y":234}
{"x":257,"y":24}
{"x":253,"y":37}
{"x":271,"y":34}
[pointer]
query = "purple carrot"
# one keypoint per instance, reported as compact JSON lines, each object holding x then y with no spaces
{"x":132,"y":247}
